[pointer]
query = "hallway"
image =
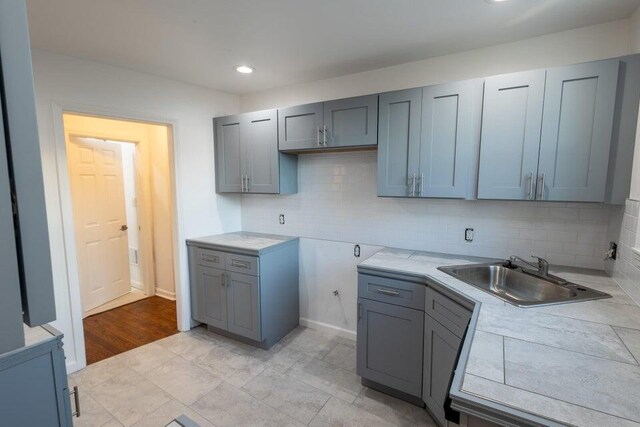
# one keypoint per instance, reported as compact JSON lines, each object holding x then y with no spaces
{"x":127,"y":327}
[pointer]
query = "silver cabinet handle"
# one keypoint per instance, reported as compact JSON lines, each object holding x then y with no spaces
{"x":541,"y":187}
{"x":318,"y":136}
{"x":324,"y":135}
{"x":421,"y":188}
{"x":388,"y":292}
{"x":246,"y":187}
{"x":222,"y":279}
{"x":241,"y":264}
{"x":242,"y":184}
{"x":530,"y":192}
{"x":412,"y":193}
{"x":76,"y":400}
{"x":359,"y":311}
{"x":208,"y":258}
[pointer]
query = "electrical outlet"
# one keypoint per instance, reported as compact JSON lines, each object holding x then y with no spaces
{"x":468,"y":234}
{"x":356,"y":251}
{"x":281,"y":219}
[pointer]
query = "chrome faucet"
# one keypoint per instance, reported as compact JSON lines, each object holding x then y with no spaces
{"x":542,"y":267}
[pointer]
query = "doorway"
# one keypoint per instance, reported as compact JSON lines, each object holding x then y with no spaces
{"x":120,"y":182}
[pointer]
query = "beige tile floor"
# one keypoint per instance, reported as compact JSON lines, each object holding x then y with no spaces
{"x":306,"y":379}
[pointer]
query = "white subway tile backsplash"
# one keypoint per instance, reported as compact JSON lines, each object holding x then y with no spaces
{"x":337,"y":201}
{"x":623,"y":229}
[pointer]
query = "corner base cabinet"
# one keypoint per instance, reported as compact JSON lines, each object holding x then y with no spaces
{"x":409,"y":338}
{"x":245,"y":292}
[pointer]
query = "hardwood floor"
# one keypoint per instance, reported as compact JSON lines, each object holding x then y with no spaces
{"x":125,"y":328}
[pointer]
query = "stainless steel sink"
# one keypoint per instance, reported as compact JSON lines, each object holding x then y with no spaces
{"x":521,"y":287}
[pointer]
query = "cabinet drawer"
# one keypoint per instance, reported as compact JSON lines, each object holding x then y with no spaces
{"x":242,"y":264}
{"x":398,"y":292}
{"x":446,"y":311}
{"x":209,"y":258}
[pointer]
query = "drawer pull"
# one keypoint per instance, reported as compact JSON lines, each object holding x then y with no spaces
{"x":76,"y":399}
{"x":388,"y":292}
{"x":209,"y":258}
{"x":240,"y":264}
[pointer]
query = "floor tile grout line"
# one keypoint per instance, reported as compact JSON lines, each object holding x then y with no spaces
{"x":546,"y":397}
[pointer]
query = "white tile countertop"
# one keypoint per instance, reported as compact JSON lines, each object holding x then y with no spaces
{"x":574,"y":363}
{"x":243,"y":241}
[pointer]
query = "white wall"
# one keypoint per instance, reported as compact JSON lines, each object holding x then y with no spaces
{"x":89,"y":86}
{"x":161,"y":206}
{"x":579,"y":45}
{"x":337,"y":205}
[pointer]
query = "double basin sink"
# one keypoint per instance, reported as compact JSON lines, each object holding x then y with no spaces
{"x":520,"y":286}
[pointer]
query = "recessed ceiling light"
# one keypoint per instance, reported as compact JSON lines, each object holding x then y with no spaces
{"x":244,"y":69}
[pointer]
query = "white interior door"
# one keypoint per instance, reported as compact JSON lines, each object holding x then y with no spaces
{"x":97,"y":189}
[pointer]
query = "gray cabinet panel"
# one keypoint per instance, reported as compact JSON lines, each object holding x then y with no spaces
{"x":299,"y":127}
{"x":398,"y":141}
{"x":21,"y":130}
{"x":11,"y":329}
{"x":576,"y":131}
{"x":391,"y":291}
{"x":260,"y":145}
{"x":211,"y":307}
{"x":351,"y":122}
{"x":229,"y":154}
{"x":440,"y":354}
{"x":450,"y":119}
{"x":243,"y":302}
{"x":389,"y":346}
{"x":511,"y":121}
{"x":447,"y":312}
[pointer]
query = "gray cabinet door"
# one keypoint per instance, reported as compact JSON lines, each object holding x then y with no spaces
{"x":399,"y":142}
{"x":440,"y":354}
{"x":229,"y":154}
{"x":299,"y":127}
{"x":243,"y":302}
{"x":11,"y":326}
{"x":21,"y":132}
{"x":511,"y":121}
{"x":259,"y":132}
{"x":389,"y":347}
{"x":579,"y":104}
{"x":211,"y":306}
{"x":450,"y":120}
{"x":351,"y":122}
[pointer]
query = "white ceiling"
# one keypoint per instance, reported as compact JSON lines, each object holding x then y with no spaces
{"x":291,"y":41}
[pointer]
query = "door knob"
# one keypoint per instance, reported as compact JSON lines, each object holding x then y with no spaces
{"x":124,"y":228}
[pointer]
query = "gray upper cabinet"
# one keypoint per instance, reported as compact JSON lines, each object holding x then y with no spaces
{"x":338,"y":124}
{"x":451,"y":116}
{"x":351,"y":122}
{"x":399,"y":142}
{"x":511,"y":120}
{"x":576,"y":131}
{"x":247,"y":156}
{"x":260,"y":142}
{"x":243,"y":301}
{"x":229,"y":155}
{"x":299,"y":127}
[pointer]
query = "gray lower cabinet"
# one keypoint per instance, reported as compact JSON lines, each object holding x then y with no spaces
{"x":247,"y":156}
{"x":389,"y":347}
{"x":440,"y":355}
{"x":33,"y":384}
{"x":408,"y":338}
{"x":252,"y":296}
{"x":243,"y":303}
{"x":338,"y":124}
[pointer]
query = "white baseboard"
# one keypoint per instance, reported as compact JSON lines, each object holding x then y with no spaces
{"x":325,"y":327}
{"x":165,"y":294}
{"x":138,"y":285}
